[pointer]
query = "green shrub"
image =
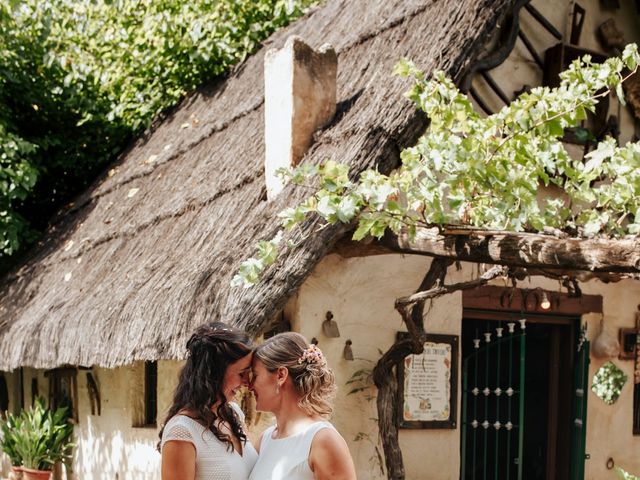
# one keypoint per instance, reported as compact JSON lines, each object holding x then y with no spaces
{"x":80,"y":78}
{"x":17,"y":178}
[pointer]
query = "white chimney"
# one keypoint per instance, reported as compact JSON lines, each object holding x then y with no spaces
{"x":299,"y":98}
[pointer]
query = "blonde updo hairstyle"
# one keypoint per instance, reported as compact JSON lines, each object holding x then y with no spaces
{"x":311,"y":377}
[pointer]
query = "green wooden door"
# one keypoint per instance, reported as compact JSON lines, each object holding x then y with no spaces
{"x":579,"y":409}
{"x":493,"y":395}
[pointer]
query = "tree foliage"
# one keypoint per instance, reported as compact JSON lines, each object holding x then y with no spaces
{"x":486,"y":172}
{"x":79,"y":78}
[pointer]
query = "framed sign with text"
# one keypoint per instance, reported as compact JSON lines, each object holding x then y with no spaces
{"x":428,"y":384}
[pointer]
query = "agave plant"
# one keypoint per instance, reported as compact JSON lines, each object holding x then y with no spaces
{"x":42,"y":437}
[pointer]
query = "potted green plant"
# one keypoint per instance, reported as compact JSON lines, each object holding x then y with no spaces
{"x":42,"y":439}
{"x":8,"y":427}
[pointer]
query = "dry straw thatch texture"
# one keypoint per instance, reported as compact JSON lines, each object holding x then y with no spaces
{"x":147,"y":253}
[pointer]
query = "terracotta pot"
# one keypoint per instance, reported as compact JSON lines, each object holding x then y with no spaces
{"x":29,"y":474}
{"x":16,"y":473}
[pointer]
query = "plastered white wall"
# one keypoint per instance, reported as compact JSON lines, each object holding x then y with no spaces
{"x":609,"y":432}
{"x":360,"y":292}
{"x":108,"y":447}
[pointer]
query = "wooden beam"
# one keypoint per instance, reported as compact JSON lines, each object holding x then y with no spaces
{"x":523,"y":250}
{"x":516,"y":300}
{"x":347,"y":248}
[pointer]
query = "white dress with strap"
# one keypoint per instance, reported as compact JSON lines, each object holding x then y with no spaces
{"x":286,"y":458}
{"x":214,"y":459}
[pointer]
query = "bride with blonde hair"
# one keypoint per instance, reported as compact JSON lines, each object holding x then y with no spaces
{"x":292,"y":380}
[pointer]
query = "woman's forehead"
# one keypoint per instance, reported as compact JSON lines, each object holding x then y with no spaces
{"x":256,"y":363}
{"x":242,"y":363}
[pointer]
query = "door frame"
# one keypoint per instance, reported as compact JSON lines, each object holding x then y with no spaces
{"x":563,"y":335}
{"x":501,"y":303}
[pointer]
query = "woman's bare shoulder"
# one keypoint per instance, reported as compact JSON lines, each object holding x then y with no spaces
{"x":329,"y":457}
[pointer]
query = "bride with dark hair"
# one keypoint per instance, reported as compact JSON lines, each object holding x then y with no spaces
{"x":203,"y":437}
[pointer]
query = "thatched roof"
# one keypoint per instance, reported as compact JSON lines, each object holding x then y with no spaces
{"x":148,"y":252}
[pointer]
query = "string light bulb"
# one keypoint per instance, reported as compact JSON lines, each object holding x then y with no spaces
{"x":545,"y":303}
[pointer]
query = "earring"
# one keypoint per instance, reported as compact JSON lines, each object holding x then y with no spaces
{"x":278,"y":388}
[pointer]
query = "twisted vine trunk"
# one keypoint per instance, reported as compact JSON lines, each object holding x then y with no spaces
{"x":387,"y":403}
{"x":385,"y":378}
{"x":411,"y":309}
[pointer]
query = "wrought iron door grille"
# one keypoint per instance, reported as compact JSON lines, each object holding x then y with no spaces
{"x":493,"y":405}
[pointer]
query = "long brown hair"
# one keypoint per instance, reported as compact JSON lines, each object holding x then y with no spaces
{"x":211,"y":349}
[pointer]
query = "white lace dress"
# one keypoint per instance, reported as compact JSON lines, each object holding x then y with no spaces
{"x":214,"y":460}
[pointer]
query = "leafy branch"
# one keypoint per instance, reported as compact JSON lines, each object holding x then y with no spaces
{"x":624,"y":475}
{"x":507,"y":171}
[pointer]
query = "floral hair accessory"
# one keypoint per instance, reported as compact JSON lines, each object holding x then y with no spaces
{"x":312,"y":355}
